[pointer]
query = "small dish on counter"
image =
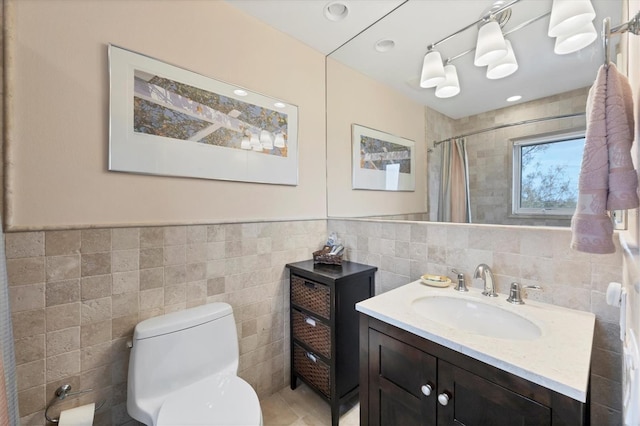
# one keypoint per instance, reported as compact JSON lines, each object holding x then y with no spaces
{"x":435,"y":280}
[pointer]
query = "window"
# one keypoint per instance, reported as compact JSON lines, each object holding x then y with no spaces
{"x":545,"y":174}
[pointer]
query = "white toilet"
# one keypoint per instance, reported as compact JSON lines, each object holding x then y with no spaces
{"x":183,"y":371}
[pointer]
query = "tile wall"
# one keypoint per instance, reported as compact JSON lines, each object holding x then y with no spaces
{"x":405,"y":251}
{"x":76,"y":296}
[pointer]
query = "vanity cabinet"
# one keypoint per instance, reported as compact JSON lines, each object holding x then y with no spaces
{"x":408,"y":380}
{"x":324,"y":327}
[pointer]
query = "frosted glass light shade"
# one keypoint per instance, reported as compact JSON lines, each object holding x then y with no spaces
{"x":505,"y":66}
{"x":266,"y":139}
{"x":575,"y":41}
{"x":255,"y":142}
{"x":491,"y":45}
{"x":279,"y":142}
{"x":451,"y":86}
{"x":432,"y":70}
{"x":246,"y":143}
{"x":567,"y":16}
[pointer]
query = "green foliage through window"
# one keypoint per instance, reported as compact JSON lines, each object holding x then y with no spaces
{"x":546,"y":175}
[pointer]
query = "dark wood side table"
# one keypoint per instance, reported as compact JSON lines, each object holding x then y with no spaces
{"x":324,"y":327}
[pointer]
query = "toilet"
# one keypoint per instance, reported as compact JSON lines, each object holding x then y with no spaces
{"x":183,"y":371}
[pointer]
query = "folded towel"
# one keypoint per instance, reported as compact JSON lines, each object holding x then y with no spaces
{"x":608,"y":180}
{"x":623,"y":180}
{"x":592,"y":234}
{"x":588,"y":224}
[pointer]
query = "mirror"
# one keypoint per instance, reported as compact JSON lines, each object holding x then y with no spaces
{"x":373,"y":85}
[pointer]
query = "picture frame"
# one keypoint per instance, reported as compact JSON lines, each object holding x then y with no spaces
{"x":382,"y":161}
{"x":166,"y":120}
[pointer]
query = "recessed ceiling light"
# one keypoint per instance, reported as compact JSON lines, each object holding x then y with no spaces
{"x":384,"y":45}
{"x":514,"y":98}
{"x":240,"y":92}
{"x":279,"y":105}
{"x":336,"y":11}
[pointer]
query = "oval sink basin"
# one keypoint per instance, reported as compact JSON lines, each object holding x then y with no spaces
{"x":476,"y":317}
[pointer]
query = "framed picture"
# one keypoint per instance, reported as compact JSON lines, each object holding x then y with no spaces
{"x":165,"y":120}
{"x":382,"y":161}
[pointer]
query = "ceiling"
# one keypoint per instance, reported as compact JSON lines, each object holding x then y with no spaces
{"x":414,"y":24}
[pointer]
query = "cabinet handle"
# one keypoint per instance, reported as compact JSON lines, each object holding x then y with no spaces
{"x":310,"y":284}
{"x":311,"y":357}
{"x":310,"y":321}
{"x":426,"y":389}
{"x":443,"y":398}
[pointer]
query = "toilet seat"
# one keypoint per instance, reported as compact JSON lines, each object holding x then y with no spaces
{"x":219,"y":400}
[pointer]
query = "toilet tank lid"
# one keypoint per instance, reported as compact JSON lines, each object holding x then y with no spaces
{"x":176,"y":321}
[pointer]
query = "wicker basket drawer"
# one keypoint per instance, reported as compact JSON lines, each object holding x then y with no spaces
{"x":310,"y":367}
{"x":311,"y":296}
{"x":312,"y":332}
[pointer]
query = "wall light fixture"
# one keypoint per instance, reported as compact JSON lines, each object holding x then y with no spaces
{"x":570,"y":22}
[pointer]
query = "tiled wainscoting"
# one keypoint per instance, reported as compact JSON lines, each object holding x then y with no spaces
{"x":76,"y":296}
{"x":405,"y":251}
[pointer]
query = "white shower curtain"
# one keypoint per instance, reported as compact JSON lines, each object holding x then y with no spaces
{"x":453,"y":200}
{"x":8,"y":385}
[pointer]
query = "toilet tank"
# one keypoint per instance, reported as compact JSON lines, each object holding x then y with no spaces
{"x":174,"y":350}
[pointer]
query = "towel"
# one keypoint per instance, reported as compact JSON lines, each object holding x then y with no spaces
{"x":607,"y":178}
{"x":623,"y":179}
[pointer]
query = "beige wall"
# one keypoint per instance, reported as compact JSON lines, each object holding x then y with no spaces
{"x":76,"y":293}
{"x":57,"y":101}
{"x":353,"y":98}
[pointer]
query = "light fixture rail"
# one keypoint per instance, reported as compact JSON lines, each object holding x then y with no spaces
{"x":473,"y":24}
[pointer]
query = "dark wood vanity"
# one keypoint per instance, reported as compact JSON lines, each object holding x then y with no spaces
{"x":409,"y":380}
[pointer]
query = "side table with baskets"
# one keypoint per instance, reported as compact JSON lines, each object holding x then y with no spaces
{"x":324,"y":327}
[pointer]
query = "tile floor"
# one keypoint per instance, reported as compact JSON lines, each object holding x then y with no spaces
{"x":304,"y":407}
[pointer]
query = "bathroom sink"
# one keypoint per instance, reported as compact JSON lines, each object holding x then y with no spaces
{"x":476,"y":317}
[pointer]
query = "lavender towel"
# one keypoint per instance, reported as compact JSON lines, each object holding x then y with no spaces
{"x":607,"y":178}
{"x":623,"y":179}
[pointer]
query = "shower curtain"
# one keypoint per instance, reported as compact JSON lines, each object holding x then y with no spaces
{"x":453,"y":200}
{"x":8,"y":385}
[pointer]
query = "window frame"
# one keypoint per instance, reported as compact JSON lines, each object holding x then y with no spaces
{"x":516,"y":177}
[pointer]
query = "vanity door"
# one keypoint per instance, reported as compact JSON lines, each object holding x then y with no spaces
{"x":402,"y":383}
{"x":472,"y":400}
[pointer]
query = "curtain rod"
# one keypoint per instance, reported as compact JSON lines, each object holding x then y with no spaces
{"x":502,"y":126}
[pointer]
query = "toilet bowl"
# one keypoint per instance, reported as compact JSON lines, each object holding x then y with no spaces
{"x":183,"y":371}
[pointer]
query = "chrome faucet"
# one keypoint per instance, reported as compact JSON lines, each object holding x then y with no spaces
{"x":483,"y":271}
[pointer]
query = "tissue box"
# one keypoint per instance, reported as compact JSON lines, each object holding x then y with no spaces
{"x":323,"y":256}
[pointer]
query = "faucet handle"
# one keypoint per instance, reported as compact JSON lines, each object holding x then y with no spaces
{"x":515,"y":292}
{"x":461,"y":286}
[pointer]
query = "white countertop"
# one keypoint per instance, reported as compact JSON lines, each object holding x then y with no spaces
{"x":559,"y":359}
